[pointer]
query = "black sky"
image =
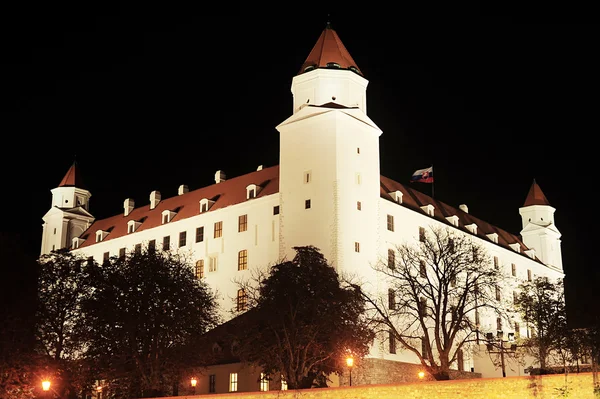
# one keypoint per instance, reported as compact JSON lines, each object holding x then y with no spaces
{"x":148,"y":99}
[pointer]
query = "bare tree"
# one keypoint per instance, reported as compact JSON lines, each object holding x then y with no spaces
{"x":437,"y":288}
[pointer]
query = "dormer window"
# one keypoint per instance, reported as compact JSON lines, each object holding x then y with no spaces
{"x":428,"y":209}
{"x":101,"y":235}
{"x":515,"y":247}
{"x":493,"y":237}
{"x":472,"y":228}
{"x":76,"y":242}
{"x":309,"y":68}
{"x":333,"y":65}
{"x":453,"y":220}
{"x":354,"y":69}
{"x":530,"y":253}
{"x":132,"y":226}
{"x":252,"y":191}
{"x":205,"y":204}
{"x":167,"y":216}
{"x":396,"y":196}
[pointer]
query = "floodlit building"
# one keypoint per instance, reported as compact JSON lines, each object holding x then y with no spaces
{"x":327,"y":191}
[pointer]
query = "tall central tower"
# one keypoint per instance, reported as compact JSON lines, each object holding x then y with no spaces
{"x":329,"y":161}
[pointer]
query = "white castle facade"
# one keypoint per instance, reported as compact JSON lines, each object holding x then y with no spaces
{"x":327,"y":191}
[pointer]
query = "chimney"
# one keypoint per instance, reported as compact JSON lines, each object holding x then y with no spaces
{"x":463,"y":208}
{"x":219,"y":176}
{"x":260,"y":167}
{"x":128,"y":205}
{"x":183,"y":189}
{"x":154,"y":199}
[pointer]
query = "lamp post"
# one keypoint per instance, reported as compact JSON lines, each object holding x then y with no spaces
{"x":350,"y":363}
{"x":421,"y":375}
{"x":193,"y":382}
{"x":46,"y":387}
{"x":497,"y":346}
{"x":99,"y":392}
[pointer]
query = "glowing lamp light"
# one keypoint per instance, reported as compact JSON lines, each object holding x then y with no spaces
{"x":46,"y":385}
{"x":350,"y":362}
{"x":99,"y":388}
{"x":421,"y":374}
{"x":194,"y":381}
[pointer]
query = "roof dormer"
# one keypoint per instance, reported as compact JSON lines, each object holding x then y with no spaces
{"x":396,"y":196}
{"x":493,"y":237}
{"x":428,"y":209}
{"x":453,"y":220}
{"x":205,"y":204}
{"x":101,"y":235}
{"x":132,"y":226}
{"x":530,"y":253}
{"x":515,"y":247}
{"x":167,"y":216}
{"x":252,"y":191}
{"x":472,"y":228}
{"x":76,"y":242}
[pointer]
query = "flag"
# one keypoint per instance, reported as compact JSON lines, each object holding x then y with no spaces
{"x":423,"y":175}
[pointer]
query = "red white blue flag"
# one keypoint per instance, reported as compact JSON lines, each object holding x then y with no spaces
{"x":423,"y":175}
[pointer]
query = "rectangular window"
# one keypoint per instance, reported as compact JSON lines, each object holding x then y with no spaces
{"x":423,"y":306}
{"x":264,"y":382}
{"x":121,"y":253}
{"x":307,"y":204}
{"x":515,"y":297}
{"x":390,"y":222}
{"x":424,"y":351}
{"x":358,"y":150}
{"x":212,"y":263}
{"x":497,"y":293}
{"x":517,"y":330}
{"x":165,"y":218}
{"x":391,"y":259}
{"x":243,"y":259}
{"x":242,"y":300}
{"x":284,"y":386}
{"x":242,"y":223}
{"x":200,"y":269}
{"x":451,"y":245}
{"x":166,"y":243}
{"x":276,"y":210}
{"x":182,"y":239}
{"x":211,"y":383}
{"x":358,"y":205}
{"x":218,"y":229}
{"x":499,"y":323}
{"x":233,"y":382}
{"x":130,"y":229}
{"x":391,"y":299}
{"x":151,"y":246}
{"x":422,"y":269}
{"x":106,"y":256}
{"x":528,"y":275}
{"x":200,"y":234}
{"x":307,"y":177}
{"x":477,"y":317}
{"x":514,"y":270}
{"x":356,"y":247}
{"x":496,"y":263}
{"x":392,"y":341}
{"x":422,"y":234}
{"x":138,"y":248}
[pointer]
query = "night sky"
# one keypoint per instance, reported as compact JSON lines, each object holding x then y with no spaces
{"x":149,"y":99}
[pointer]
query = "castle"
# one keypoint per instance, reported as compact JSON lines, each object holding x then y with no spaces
{"x":327,"y":191}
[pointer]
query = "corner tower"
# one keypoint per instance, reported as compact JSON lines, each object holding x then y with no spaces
{"x":539,"y":231}
{"x":329,"y":161}
{"x":68,"y":217}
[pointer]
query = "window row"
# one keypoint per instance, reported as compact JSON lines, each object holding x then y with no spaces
{"x":242,"y":262}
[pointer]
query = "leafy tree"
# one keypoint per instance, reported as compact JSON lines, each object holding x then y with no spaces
{"x":17,"y":335}
{"x":143,"y":317}
{"x":304,"y":322}
{"x":541,"y":304}
{"x":62,"y":288}
{"x":436,"y":290}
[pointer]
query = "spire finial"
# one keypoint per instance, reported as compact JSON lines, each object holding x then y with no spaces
{"x":328,"y":22}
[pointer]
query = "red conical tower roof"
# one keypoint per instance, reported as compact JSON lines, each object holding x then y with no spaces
{"x":535,"y":196}
{"x":329,"y":49}
{"x":72,"y":178}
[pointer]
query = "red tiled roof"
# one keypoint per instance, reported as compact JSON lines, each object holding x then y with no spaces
{"x":225,"y":193}
{"x":329,"y":48}
{"x":233,"y":191}
{"x":72,"y":178}
{"x":535,"y":196}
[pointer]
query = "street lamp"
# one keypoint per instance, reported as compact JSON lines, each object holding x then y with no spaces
{"x":194,"y":381}
{"x":46,"y":385}
{"x":421,"y":375}
{"x":497,"y":346}
{"x":350,"y":363}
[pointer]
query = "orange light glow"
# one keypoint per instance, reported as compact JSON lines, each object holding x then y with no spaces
{"x":194,"y":381}
{"x":350,"y":362}
{"x":46,"y":385}
{"x":421,"y":374}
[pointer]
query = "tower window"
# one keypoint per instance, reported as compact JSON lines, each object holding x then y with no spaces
{"x":358,"y":205}
{"x":356,"y":247}
{"x":333,"y":65}
{"x":276,"y":210}
{"x":307,"y":204}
